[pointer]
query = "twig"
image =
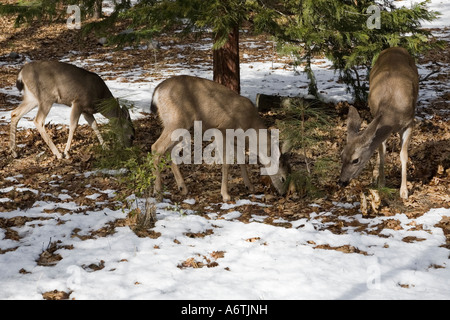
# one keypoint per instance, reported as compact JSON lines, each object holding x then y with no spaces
{"x":429,"y":75}
{"x":303,"y":141}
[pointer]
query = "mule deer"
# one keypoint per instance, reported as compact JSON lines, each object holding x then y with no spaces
{"x":394,"y":86}
{"x":182,"y":100}
{"x":48,"y":82}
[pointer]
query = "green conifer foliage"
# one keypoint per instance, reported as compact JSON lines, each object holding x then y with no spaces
{"x":342,"y":30}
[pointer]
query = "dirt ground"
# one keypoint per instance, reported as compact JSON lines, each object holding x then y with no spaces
{"x":36,"y":168}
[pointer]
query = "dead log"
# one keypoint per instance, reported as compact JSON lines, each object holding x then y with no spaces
{"x":266,"y":102}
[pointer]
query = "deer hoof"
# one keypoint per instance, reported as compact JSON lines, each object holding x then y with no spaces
{"x":404,"y":193}
{"x":251,"y":189}
{"x":183,"y":190}
{"x":159,"y":197}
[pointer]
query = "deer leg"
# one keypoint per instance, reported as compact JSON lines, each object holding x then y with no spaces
{"x":39,"y":121}
{"x":179,"y":179}
{"x":26,"y":106}
{"x":378,"y":172}
{"x":159,"y":149}
{"x":74,"y":118}
{"x":93,"y":124}
{"x":224,"y":189}
{"x":406,"y":136}
{"x":247,"y":181}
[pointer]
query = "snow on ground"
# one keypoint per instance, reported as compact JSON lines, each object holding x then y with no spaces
{"x":256,"y":77}
{"x":247,"y":261}
{"x":256,"y":260}
{"x":441,"y":6}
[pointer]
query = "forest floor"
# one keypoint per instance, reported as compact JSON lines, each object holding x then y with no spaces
{"x":56,"y":180}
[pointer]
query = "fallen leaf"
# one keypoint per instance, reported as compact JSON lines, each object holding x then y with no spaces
{"x":56,"y":295}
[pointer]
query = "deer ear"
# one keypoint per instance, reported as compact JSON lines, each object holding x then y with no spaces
{"x":373,"y":132}
{"x":126,"y":112}
{"x":353,"y":123}
{"x":286,"y":146}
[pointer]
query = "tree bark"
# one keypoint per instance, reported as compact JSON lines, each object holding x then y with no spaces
{"x":226,"y":62}
{"x":97,"y":9}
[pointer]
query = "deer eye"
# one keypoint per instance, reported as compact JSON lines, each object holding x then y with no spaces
{"x":355,"y":161}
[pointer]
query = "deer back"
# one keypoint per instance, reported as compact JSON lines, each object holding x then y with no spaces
{"x":392,"y":100}
{"x":58,"y":82}
{"x":181,"y":100}
{"x":394,"y":86}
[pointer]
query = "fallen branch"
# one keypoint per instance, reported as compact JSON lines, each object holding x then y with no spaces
{"x":431,"y":73}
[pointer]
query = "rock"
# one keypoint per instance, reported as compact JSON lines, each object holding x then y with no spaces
{"x":102,"y":41}
{"x":153,"y":45}
{"x":127,"y":31}
{"x":14,"y":55}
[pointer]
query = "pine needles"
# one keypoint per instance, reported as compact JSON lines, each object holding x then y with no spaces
{"x":306,"y":124}
{"x":138,"y":173}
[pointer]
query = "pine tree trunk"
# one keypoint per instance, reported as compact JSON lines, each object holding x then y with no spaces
{"x":226,"y":63}
{"x":97,"y":9}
